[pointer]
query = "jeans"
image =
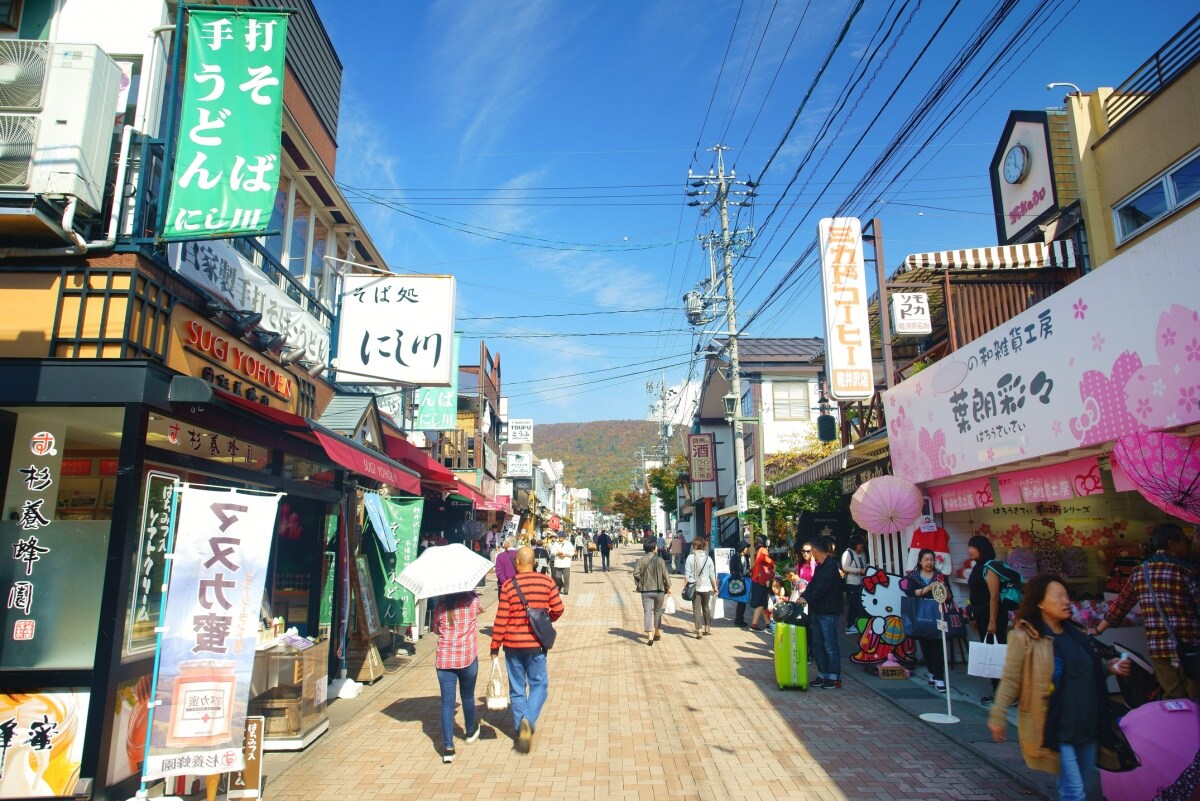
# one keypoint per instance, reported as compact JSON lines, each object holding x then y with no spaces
{"x":652,"y":610}
{"x":1076,"y":771}
{"x":604,"y":558}
{"x":702,"y":610}
{"x":587,"y":561}
{"x":825,"y":646}
{"x":464,"y":678}
{"x":527,"y":668}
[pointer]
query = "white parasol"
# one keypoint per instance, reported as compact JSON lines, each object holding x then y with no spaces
{"x":444,"y":570}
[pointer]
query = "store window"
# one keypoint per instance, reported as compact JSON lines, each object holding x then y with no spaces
{"x":1170,"y":191}
{"x":274,"y":244}
{"x":60,"y":468}
{"x":791,"y":400}
{"x":316,"y":260}
{"x":297,"y":258}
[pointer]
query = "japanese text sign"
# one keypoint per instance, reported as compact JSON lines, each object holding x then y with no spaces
{"x":910,"y":313}
{"x":227,"y":153}
{"x":520,"y":432}
{"x":520,"y":464}
{"x":437,"y":407}
{"x":222,"y":545}
{"x":702,"y":460}
{"x":1111,"y":354}
{"x":847,"y":330}
{"x":396,"y":329}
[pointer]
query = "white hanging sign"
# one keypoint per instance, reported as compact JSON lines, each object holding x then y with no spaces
{"x":847,"y":329}
{"x":910,"y":313}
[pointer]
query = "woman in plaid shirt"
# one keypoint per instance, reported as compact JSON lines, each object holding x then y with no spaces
{"x":457,"y":662}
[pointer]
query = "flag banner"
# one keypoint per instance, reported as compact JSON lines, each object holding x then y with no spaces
{"x":210,"y":630}
{"x":400,"y":518}
{"x":227,"y":159}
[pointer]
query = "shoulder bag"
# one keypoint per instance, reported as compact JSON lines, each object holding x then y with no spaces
{"x":1187,"y":653}
{"x":539,"y":619}
{"x":689,"y":589}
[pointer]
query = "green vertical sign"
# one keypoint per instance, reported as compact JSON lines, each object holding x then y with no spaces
{"x":403,"y":517}
{"x":437,"y":407}
{"x":227,"y":156}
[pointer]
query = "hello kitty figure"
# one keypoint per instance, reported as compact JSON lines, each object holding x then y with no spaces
{"x":882,"y":631}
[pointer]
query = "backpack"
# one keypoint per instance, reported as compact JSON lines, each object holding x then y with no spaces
{"x":1011,"y":583}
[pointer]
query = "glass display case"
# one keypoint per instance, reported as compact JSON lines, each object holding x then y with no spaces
{"x":289,"y":689}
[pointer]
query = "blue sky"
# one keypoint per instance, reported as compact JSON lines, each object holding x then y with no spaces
{"x":539,"y":151}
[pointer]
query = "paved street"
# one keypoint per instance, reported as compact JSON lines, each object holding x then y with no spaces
{"x":685,"y":718}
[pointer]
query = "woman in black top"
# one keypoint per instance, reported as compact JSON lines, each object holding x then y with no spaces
{"x":981,"y":550}
{"x":737,"y":568}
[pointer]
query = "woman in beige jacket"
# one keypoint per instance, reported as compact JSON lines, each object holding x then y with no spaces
{"x":1058,"y":682}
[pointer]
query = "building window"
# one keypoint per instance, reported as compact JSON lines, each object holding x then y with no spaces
{"x":10,"y":14}
{"x":1165,"y":194}
{"x":791,"y":400}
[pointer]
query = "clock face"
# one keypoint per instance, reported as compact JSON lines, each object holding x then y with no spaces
{"x":1016,"y":164}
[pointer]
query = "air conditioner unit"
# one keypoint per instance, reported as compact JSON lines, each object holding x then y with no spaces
{"x":57,"y":117}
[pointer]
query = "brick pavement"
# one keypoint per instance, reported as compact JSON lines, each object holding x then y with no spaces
{"x":686,"y":718}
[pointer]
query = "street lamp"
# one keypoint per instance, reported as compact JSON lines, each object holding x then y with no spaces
{"x":730,"y":400}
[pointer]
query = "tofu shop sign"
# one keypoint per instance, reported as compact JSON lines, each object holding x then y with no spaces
{"x":199,"y":348}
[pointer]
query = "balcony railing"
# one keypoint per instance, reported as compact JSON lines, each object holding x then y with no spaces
{"x":139,"y":220}
{"x":1172,"y":60}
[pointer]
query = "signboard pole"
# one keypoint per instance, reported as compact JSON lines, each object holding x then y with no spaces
{"x":885,"y":313}
{"x":940,"y":595}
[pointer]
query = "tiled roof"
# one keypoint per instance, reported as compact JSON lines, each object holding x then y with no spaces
{"x":781,"y":349}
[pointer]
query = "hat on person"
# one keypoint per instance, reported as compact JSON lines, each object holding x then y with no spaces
{"x":562,"y":534}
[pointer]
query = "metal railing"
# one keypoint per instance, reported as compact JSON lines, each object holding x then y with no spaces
{"x":140,"y":233}
{"x":1172,"y":60}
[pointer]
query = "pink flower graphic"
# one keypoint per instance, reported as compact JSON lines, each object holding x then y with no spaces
{"x":1168,"y":336}
{"x":1189,"y":396}
{"x":991,"y":454}
{"x":1080,"y":309}
{"x":1144,"y":408}
{"x":1193,"y":351}
{"x":1097,"y":342}
{"x":1056,"y":427}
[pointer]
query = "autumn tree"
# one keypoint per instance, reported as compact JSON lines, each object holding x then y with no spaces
{"x":635,"y":506}
{"x":664,"y":480}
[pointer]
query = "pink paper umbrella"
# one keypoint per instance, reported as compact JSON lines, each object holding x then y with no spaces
{"x":886,"y":504}
{"x":1165,"y":469}
{"x":1166,"y":737}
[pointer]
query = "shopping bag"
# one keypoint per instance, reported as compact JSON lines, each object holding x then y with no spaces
{"x":956,"y":624}
{"x":920,"y":617}
{"x":734,"y":588}
{"x":497,"y":688}
{"x":986,"y":659}
{"x":669,"y":605}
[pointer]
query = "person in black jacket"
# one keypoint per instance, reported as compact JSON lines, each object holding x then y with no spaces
{"x":823,"y":595}
{"x":737,"y":569}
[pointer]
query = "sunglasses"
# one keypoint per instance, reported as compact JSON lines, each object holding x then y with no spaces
{"x":806,"y":550}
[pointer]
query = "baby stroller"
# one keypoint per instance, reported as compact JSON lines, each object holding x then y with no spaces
{"x":1140,"y":686}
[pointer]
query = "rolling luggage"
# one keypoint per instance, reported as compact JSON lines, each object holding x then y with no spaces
{"x":791,"y":656}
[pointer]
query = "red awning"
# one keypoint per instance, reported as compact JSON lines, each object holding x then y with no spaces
{"x":281,"y":416}
{"x":404,"y":451}
{"x":352,"y":456}
{"x":466,"y":490}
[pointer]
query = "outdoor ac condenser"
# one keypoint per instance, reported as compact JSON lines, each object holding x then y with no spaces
{"x":57,"y":117}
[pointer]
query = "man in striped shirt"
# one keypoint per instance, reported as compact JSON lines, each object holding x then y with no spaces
{"x":528,"y":680}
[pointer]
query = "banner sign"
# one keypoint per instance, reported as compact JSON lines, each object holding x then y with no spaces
{"x":396,"y":329}
{"x":1057,"y":482}
{"x":910,"y":313}
{"x":211,"y":620}
{"x":847,"y":329}
{"x":41,"y":742}
{"x":520,"y":432}
{"x":400,"y":518}
{"x":1070,"y":372}
{"x":702,"y":462}
{"x":520,"y":464}
{"x":437,"y":407}
{"x":216,"y":267}
{"x":227,"y":153}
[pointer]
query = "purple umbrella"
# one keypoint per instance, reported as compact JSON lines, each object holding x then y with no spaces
{"x":1166,"y":737}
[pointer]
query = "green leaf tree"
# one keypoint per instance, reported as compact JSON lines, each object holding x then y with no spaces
{"x":664,"y":480}
{"x":635,"y":506}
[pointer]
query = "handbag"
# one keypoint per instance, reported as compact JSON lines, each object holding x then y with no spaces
{"x":689,"y":591}
{"x":986,"y":659}
{"x":734,"y":588}
{"x":539,"y":619}
{"x":956,"y":624}
{"x":497,"y":688}
{"x":1188,"y":654}
{"x":920,"y":617}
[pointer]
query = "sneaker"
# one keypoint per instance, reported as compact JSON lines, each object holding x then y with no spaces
{"x":850,"y":630}
{"x":473,"y":736}
{"x":447,"y":756}
{"x":832,"y":684}
{"x":757,"y":628}
{"x":817,"y":684}
{"x":524,"y":737}
{"x":699,"y":634}
{"x":931,"y":679}
{"x":985,"y":700}
{"x":940,"y":686}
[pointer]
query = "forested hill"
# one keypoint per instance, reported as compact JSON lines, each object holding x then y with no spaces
{"x":601,"y":455}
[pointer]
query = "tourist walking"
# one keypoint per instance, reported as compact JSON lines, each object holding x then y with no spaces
{"x":761,"y":574}
{"x":1063,"y":711}
{"x":1166,"y":588}
{"x":562,"y":552}
{"x":823,"y":595}
{"x":457,"y":663}
{"x":651,"y":580}
{"x":854,"y":567}
{"x":587,"y":549}
{"x":701,"y":573}
{"x":524,"y":656}
{"x":506,"y":568}
{"x":677,"y":548}
{"x":920,"y":582}
{"x":605,"y":543}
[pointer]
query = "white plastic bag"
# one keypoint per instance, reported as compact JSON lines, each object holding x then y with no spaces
{"x":986,"y":659}
{"x":669,"y":605}
{"x":497,"y":693}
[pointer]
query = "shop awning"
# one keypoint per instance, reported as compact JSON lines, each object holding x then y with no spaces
{"x":279,"y":416}
{"x":352,"y":456}
{"x":873,"y":446}
{"x":408,"y":454}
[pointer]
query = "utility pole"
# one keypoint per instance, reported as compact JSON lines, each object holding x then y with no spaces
{"x":722,"y":184}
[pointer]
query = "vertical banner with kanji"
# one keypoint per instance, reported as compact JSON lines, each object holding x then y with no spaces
{"x":437,"y":407}
{"x":401,"y":519}
{"x":227,"y":159}
{"x":222,"y":546}
{"x":702,"y":460}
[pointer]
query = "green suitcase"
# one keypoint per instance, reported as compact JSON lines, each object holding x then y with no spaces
{"x":791,"y":656}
